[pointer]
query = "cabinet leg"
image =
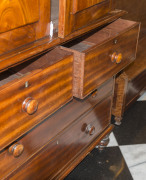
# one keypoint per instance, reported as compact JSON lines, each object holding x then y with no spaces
{"x":118,"y":121}
{"x":103,"y":143}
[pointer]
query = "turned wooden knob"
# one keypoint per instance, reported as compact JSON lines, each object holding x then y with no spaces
{"x":116,"y":57}
{"x":30,"y":105}
{"x":16,"y":150}
{"x":90,"y":130}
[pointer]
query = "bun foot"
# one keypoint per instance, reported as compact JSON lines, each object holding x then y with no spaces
{"x":118,"y":121}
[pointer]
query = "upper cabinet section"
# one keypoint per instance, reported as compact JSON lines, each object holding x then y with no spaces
{"x":79,"y":5}
{"x":23,"y":22}
{"x":17,"y":13}
{"x":76,"y":14}
{"x":29,"y":27}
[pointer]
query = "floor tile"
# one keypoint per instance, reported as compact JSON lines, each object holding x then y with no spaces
{"x":113,"y":141}
{"x":143,"y":97}
{"x":135,"y":156}
{"x":133,"y":127}
{"x":106,"y":165}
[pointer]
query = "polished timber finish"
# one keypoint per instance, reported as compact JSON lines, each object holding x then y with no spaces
{"x":18,"y":13}
{"x":23,"y":22}
{"x":93,"y":57}
{"x":44,"y":131}
{"x":31,"y":169}
{"x":131,"y":83}
{"x":123,"y":158}
{"x":70,"y":121}
{"x":75,"y":14}
{"x":64,"y":149}
{"x":81,"y":5}
{"x":25,"y":53}
{"x":41,"y":87}
{"x":25,"y":27}
{"x":16,"y":150}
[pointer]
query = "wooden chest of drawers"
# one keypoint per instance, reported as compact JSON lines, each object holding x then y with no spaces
{"x":45,"y":131}
{"x":32,"y":92}
{"x":60,"y":139}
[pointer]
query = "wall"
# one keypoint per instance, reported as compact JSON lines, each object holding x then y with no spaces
{"x":136,"y":11}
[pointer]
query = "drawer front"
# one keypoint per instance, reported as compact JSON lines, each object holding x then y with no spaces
{"x":99,"y":65}
{"x":59,"y":153}
{"x":54,"y":124}
{"x":102,"y":55}
{"x":27,"y":101}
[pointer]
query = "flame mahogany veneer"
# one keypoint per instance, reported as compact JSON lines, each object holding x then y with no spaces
{"x":93,"y":62}
{"x":131,"y":83}
{"x":66,"y":132}
{"x":45,"y":131}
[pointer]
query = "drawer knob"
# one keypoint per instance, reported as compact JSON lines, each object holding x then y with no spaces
{"x":16,"y":150}
{"x":90,"y":129}
{"x":116,"y":57}
{"x":30,"y":105}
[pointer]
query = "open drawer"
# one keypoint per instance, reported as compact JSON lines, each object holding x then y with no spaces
{"x":32,"y":91}
{"x":102,"y":55}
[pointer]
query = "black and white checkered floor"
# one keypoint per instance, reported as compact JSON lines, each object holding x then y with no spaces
{"x":125,"y":156}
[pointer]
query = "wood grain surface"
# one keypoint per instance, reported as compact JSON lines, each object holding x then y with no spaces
{"x":131,"y":83}
{"x":43,"y":133}
{"x":23,"y":22}
{"x":49,"y":83}
{"x":63,"y":150}
{"x":82,"y":4}
{"x":68,"y":22}
{"x":119,"y":96}
{"x":93,"y":64}
{"x":23,"y":53}
{"x":87,"y":16}
{"x":16,"y":13}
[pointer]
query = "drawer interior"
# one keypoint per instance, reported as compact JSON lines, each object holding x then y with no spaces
{"x":101,"y":36}
{"x":42,"y":62}
{"x":6,"y":77}
{"x":38,"y":63}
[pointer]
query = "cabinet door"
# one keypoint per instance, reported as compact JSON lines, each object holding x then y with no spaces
{"x":79,"y":5}
{"x":21,"y":22}
{"x":16,"y":13}
{"x":75,"y":14}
